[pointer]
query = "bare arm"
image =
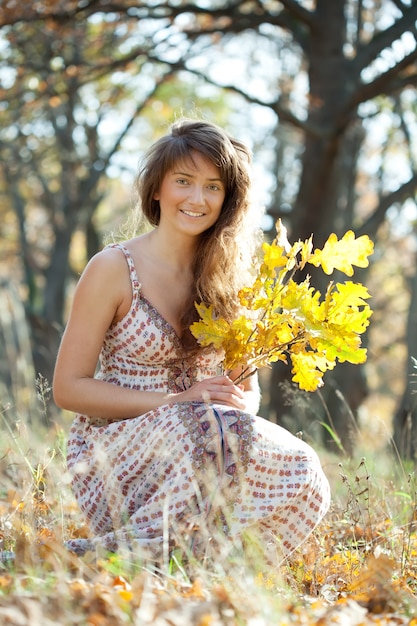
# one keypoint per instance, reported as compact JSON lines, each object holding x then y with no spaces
{"x":102,"y":292}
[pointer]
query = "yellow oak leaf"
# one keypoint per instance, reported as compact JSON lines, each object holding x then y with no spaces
{"x":209,"y":330}
{"x":350,"y":293}
{"x":284,"y":319}
{"x":306,"y":251}
{"x":274,"y":255}
{"x":338,"y":345}
{"x":308,"y":369}
{"x":281,"y":237}
{"x":303,"y":301}
{"x":343,"y":254}
{"x":346,"y":304}
{"x":251,"y":299}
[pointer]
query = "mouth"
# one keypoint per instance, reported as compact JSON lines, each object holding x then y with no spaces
{"x":192,"y":213}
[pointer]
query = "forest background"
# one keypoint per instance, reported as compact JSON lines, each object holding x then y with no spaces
{"x":323,"y":91}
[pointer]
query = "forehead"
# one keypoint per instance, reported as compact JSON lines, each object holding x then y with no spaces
{"x":196,"y":162}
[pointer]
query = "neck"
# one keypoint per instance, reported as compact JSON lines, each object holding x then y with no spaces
{"x":178,"y":252}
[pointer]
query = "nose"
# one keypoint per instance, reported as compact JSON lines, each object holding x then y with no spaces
{"x":196,"y":195}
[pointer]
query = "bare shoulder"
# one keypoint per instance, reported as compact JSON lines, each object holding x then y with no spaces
{"x":110,"y":259}
{"x":106,"y":278}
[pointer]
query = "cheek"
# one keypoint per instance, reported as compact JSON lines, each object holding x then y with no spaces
{"x":220,"y":208}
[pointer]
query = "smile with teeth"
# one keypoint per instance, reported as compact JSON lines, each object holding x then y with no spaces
{"x":192,"y":213}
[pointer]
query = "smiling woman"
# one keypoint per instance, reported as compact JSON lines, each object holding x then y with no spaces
{"x":166,"y":449}
{"x":195,"y":190}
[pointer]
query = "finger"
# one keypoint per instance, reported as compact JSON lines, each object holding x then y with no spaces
{"x":224,"y":380}
{"x":223,"y":387}
{"x":226,"y":396}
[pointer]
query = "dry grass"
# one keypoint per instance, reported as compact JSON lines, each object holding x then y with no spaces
{"x":359,"y":567}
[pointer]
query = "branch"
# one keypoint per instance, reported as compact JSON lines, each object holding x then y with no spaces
{"x":406,"y":190}
{"x":406,"y":132}
{"x":299,"y":12}
{"x":281,"y":112}
{"x":399,"y":84}
{"x":366,"y":53}
{"x":384,"y":82}
{"x":233,"y":10}
{"x":400,"y":5}
{"x":293,"y":19}
{"x":24,"y":13}
{"x":91,"y":181}
{"x":27,"y":13}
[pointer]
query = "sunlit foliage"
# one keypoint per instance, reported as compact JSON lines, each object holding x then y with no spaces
{"x":284,"y":319}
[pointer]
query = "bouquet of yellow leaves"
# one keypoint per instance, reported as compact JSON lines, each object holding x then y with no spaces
{"x":291,"y":320}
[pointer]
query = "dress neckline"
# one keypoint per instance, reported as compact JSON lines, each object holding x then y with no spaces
{"x":161,"y":321}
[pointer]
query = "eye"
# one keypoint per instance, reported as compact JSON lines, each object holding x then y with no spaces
{"x":182,"y":181}
{"x":214,"y":187}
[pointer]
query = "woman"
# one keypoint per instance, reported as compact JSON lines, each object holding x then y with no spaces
{"x":165,"y":448}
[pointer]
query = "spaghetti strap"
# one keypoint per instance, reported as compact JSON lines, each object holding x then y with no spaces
{"x":136,"y":286}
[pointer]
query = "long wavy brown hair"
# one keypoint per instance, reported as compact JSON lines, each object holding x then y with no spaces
{"x":225,"y":252}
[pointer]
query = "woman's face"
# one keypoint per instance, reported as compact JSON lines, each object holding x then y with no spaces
{"x":191,"y":195}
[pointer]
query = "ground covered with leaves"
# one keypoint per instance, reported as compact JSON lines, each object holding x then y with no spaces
{"x":359,"y":567}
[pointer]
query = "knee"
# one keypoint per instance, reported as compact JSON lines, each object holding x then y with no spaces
{"x":316,"y":486}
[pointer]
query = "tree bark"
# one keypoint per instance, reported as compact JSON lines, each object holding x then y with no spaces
{"x":405,"y":419}
{"x":330,"y":91}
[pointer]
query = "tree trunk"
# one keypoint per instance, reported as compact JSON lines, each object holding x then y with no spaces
{"x":324,"y":205}
{"x":47,"y":327}
{"x":314,"y":210}
{"x":405,"y":419}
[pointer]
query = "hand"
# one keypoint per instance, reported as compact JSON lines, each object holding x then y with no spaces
{"x":219,"y":389}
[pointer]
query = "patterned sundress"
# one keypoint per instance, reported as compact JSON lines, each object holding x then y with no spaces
{"x":187,"y":472}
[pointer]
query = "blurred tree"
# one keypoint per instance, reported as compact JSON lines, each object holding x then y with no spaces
{"x":53,"y":157}
{"x":328,"y":70}
{"x":331,"y":71}
{"x":71,"y":93}
{"x":357,"y":68}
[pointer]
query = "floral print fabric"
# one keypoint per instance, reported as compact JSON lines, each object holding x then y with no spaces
{"x":189,"y":469}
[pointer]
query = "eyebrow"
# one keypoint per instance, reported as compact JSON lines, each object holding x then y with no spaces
{"x":179,"y":173}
